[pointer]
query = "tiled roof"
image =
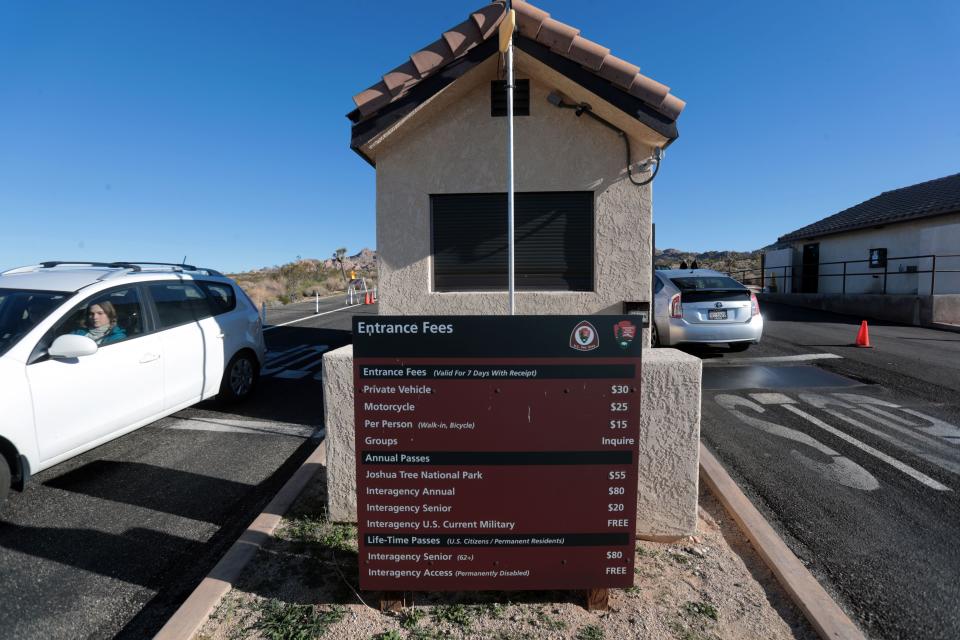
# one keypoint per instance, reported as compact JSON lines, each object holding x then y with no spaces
{"x":532,"y":23}
{"x":922,"y":200}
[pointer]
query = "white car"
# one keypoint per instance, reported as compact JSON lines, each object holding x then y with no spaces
{"x":91,"y":351}
{"x":703,"y":306}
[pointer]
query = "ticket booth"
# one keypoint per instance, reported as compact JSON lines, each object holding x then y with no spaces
{"x":435,"y":132}
{"x":590,"y":136}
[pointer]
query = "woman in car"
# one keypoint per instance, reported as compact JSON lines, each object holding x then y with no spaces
{"x":102,"y":324}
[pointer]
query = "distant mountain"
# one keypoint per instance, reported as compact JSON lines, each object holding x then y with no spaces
{"x":365,"y":261}
{"x":730,"y":261}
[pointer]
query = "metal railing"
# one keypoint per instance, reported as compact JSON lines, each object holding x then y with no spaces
{"x":770,"y":278}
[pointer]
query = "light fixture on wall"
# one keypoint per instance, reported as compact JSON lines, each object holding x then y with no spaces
{"x":558,"y":100}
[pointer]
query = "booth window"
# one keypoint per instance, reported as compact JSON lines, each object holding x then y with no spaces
{"x":553,"y":241}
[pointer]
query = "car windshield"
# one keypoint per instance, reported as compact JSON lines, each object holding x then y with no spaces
{"x":694,"y":283}
{"x":21,"y":310}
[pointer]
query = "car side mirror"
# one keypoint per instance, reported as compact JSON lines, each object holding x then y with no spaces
{"x":71,"y":346}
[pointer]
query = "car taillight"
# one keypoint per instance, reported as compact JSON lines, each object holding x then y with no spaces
{"x":754,"y":305}
{"x":676,"y":309}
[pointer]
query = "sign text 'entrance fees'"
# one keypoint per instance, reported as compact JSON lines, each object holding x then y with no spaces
{"x":496,"y":453}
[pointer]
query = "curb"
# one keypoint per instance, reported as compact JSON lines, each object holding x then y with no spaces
{"x":944,"y":326}
{"x":826,"y":617}
{"x":191,"y":615}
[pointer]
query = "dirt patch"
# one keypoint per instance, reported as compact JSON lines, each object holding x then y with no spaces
{"x":304,"y":585}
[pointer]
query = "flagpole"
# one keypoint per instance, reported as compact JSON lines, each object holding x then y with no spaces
{"x":508,"y":24}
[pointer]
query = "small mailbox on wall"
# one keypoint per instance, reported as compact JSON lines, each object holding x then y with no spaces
{"x":878,"y":258}
{"x":639,"y":308}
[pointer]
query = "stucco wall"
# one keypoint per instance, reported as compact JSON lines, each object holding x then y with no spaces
{"x":939,"y":235}
{"x":459,"y":148}
{"x":668,"y":451}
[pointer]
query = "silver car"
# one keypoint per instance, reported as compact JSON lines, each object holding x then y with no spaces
{"x":703,"y":306}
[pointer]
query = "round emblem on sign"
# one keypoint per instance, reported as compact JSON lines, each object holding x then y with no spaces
{"x":584,"y":337}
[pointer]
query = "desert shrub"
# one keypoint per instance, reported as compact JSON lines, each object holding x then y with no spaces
{"x":295,"y":281}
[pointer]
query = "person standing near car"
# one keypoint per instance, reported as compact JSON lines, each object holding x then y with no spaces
{"x":102,"y":324}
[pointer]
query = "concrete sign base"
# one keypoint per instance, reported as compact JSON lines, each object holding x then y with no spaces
{"x":668,"y":452}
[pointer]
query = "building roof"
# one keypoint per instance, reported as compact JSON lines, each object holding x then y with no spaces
{"x":534,"y":24}
{"x":933,"y":198}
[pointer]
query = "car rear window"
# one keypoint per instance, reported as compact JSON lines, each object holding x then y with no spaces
{"x":179,"y":302}
{"x":222,"y":298}
{"x":696,"y":283}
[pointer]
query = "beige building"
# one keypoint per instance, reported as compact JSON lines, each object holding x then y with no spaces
{"x":434,"y":130}
{"x":895,"y":256}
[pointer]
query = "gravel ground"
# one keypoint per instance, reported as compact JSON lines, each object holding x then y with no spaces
{"x":302,"y":585}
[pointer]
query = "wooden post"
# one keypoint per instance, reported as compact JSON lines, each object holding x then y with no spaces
{"x":598,"y":599}
{"x":394,"y":601}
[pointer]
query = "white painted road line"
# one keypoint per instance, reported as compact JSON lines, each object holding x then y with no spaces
{"x":840,"y":469}
{"x":943,"y":463}
{"x":939,"y":428}
{"x":893,"y":462}
{"x":771,"y":398}
{"x":803,"y":357}
{"x":315,"y":315}
{"x":259,"y":427}
{"x":314,"y":354}
{"x":275,"y":356}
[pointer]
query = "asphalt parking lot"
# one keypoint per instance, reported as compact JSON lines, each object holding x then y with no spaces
{"x":853,"y":455}
{"x":110,"y":543}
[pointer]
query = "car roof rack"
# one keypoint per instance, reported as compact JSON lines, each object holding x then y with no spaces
{"x":49,"y":264}
{"x":174,"y":266}
{"x":134,"y":266}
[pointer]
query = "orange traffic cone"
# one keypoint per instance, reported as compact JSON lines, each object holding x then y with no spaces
{"x":863,"y":336}
{"x":366,"y":300}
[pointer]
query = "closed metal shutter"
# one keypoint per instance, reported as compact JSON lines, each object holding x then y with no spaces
{"x":554,"y":241}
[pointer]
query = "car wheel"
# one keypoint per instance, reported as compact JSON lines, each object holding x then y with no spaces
{"x":4,"y":479}
{"x":654,"y":335}
{"x":239,"y":377}
{"x":738,"y":346}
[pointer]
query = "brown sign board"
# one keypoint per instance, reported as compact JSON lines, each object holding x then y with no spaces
{"x":496,"y":453}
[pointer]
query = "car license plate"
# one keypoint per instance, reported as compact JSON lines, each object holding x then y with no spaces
{"x":720,"y":314}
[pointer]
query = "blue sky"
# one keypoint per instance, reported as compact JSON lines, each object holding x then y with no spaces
{"x":216,"y":130}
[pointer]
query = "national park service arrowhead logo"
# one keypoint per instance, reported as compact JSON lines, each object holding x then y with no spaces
{"x":624,"y":332}
{"x":584,"y":337}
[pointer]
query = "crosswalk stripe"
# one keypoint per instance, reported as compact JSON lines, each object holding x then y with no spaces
{"x":257,"y":427}
{"x":286,"y":355}
{"x":274,"y":354}
{"x":312,"y":352}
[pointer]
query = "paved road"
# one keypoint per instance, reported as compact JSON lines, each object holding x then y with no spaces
{"x":109,"y":543}
{"x":854,"y":459}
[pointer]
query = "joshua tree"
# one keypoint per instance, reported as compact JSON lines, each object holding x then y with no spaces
{"x":338,"y":255}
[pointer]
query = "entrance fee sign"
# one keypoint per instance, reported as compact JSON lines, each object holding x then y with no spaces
{"x":496,"y":453}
